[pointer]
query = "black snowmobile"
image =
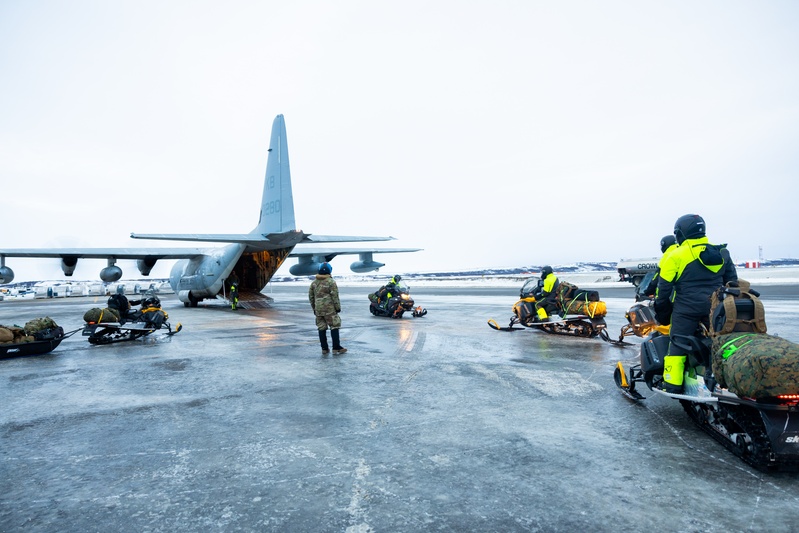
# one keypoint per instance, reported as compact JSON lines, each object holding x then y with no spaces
{"x":138,"y":324}
{"x":581,"y":312}
{"x":394,"y":302}
{"x":763,"y":431}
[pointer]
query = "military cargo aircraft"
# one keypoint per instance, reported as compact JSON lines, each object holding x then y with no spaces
{"x":251,"y":258}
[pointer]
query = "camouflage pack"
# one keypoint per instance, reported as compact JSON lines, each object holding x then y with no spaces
{"x":736,"y":308}
{"x":14,"y":335}
{"x":97,"y":315}
{"x":6,"y":335}
{"x":756,"y":365}
{"x":39,"y":324}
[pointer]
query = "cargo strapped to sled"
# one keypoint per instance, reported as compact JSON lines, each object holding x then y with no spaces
{"x":734,"y":309}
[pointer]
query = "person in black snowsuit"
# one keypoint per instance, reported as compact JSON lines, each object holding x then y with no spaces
{"x":689,"y":275}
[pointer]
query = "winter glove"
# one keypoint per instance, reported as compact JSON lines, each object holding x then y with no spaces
{"x":663,"y":313}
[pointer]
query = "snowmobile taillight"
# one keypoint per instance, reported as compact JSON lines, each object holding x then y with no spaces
{"x":788,"y":397}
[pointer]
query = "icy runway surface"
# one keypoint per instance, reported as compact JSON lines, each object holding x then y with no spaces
{"x":238,"y":423}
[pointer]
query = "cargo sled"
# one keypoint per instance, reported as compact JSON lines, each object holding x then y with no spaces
{"x":38,"y":337}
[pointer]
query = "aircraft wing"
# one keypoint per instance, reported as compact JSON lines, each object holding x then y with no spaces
{"x":330,"y":253}
{"x":311,"y":257}
{"x":312,"y":238}
{"x":104,"y":253}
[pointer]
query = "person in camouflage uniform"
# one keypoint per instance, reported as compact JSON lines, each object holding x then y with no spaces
{"x":323,"y":295}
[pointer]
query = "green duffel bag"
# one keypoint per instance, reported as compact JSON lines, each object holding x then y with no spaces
{"x":756,"y":365}
{"x":97,"y":315}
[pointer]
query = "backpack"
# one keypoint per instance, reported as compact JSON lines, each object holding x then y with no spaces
{"x":566,"y":290}
{"x":736,"y":309}
{"x":118,"y":301}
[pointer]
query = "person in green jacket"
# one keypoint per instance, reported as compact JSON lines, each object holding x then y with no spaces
{"x":547,"y":302}
{"x":688,"y":277}
{"x":323,"y":295}
{"x":667,"y":244}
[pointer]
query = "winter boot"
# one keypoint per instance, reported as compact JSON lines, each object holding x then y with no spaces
{"x":673,"y":373}
{"x":323,"y":341}
{"x":337,"y":349}
{"x":542,"y":314}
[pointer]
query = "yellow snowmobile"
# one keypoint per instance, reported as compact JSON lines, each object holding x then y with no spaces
{"x":581,"y":312}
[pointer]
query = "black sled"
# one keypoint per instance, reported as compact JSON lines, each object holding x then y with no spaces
{"x":43,"y":344}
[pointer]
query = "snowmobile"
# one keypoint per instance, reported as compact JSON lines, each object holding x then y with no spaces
{"x":150,"y":319}
{"x":763,"y":431}
{"x":640,"y":322}
{"x":394,"y":302}
{"x":581,"y":313}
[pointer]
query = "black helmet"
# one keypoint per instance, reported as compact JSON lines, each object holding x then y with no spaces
{"x":666,"y":242}
{"x":689,"y":227}
{"x":325,"y":268}
{"x":151,"y":301}
{"x":546,"y":271}
{"x":397,"y":278}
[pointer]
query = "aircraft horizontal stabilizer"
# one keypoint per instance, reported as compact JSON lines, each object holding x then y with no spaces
{"x":258,"y":241}
{"x":204,"y":237}
{"x":343,"y":238}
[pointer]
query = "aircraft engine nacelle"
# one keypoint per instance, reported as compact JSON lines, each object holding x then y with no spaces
{"x":110,"y":274}
{"x":68,"y":265}
{"x":145,"y":265}
{"x":365,"y":266}
{"x":6,"y":275}
{"x":305,"y":269}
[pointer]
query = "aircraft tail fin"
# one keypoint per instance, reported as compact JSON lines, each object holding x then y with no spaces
{"x":277,"y":202}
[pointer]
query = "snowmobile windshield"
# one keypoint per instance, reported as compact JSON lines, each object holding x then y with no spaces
{"x":531,"y":287}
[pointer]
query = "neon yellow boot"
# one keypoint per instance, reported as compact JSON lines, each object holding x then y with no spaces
{"x":542,"y":314}
{"x":673,"y":373}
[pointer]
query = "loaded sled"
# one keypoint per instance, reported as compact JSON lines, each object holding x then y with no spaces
{"x":38,"y":337}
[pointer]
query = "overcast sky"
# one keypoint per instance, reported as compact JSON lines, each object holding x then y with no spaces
{"x":490,"y":133}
